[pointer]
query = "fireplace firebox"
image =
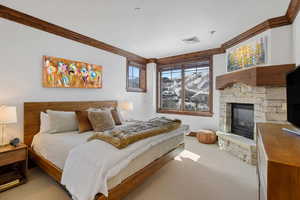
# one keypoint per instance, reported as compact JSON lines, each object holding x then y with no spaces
{"x":242,"y":120}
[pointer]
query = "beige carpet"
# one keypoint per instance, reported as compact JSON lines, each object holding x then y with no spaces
{"x":201,"y":172}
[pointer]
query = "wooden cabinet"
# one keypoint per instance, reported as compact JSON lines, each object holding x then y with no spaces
{"x":278,"y":167}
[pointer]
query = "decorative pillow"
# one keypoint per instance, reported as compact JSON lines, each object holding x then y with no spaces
{"x":44,"y":123}
{"x":122,"y":114}
{"x":61,"y":121}
{"x":116,"y":117}
{"x":101,"y":121}
{"x":83,"y":121}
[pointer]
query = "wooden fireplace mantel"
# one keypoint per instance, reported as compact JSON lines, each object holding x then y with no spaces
{"x":274,"y":75}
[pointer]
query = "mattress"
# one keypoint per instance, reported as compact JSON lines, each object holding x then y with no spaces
{"x":55,"y":148}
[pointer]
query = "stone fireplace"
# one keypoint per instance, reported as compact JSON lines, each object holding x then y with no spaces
{"x":243,"y":103}
{"x":269,"y":105}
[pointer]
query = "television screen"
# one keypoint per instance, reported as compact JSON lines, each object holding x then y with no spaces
{"x":293,"y":97}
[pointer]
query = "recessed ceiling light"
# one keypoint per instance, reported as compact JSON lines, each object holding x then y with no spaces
{"x":213,"y":32}
{"x":191,"y":40}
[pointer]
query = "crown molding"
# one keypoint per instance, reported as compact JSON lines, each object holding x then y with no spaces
{"x":275,"y":22}
{"x":293,"y":10}
{"x":268,"y":24}
{"x":190,"y":56}
{"x":22,"y":18}
{"x":152,"y":60}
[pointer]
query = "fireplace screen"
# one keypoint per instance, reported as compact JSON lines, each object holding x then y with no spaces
{"x":243,"y":120}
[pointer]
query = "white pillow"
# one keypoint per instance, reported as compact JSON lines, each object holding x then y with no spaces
{"x":60,"y":121}
{"x":44,"y":126}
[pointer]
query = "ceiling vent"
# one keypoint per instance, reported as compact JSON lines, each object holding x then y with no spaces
{"x":192,"y":40}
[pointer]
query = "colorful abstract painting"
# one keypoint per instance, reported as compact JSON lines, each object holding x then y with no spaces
{"x":251,"y":54}
{"x":63,"y":73}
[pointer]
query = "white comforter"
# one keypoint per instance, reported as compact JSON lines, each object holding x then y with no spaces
{"x":90,"y":165}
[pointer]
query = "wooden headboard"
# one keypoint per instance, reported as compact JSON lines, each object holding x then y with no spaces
{"x":32,"y":112}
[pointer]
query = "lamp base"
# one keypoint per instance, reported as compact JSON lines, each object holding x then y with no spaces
{"x":2,"y":135}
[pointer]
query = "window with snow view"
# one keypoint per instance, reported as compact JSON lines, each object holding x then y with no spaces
{"x":185,"y":88}
{"x":136,"y":77}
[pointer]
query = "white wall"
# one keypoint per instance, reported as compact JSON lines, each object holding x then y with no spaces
{"x":296,"y":38}
{"x":281,"y":46}
{"x":21,"y":52}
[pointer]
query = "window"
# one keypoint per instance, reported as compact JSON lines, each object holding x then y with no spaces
{"x":185,"y":88}
{"x":136,"y":77}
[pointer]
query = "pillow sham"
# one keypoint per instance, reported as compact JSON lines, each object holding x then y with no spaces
{"x":61,"y":121}
{"x":122,"y":115}
{"x":101,"y":120}
{"x":84,"y":123}
{"x":44,"y":123}
{"x":116,"y":117}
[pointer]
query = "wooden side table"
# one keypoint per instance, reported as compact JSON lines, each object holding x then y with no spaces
{"x":13,"y":166}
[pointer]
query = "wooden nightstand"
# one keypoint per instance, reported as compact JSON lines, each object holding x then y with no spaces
{"x":13,"y":166}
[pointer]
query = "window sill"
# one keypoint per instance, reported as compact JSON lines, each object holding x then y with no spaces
{"x":201,"y":114}
{"x":136,"y":90}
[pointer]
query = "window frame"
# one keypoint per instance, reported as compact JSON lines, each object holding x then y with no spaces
{"x":174,"y":65}
{"x":142,"y":68}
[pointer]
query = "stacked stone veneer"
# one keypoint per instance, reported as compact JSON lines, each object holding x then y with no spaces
{"x":269,"y":106}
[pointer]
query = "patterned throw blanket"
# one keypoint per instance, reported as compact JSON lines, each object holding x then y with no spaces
{"x":121,"y":137}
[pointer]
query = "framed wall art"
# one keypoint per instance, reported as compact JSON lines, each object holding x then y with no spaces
{"x":251,"y":54}
{"x":63,"y":73}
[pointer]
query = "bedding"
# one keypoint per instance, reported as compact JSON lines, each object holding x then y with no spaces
{"x":86,"y":172}
{"x":96,"y":174}
{"x":60,"y":121}
{"x":124,"y":136}
{"x":55,"y":148}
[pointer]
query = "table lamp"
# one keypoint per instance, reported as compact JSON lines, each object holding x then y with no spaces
{"x":125,"y":107}
{"x":8,"y":115}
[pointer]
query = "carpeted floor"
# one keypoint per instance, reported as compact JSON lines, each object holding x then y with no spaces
{"x":201,"y":172}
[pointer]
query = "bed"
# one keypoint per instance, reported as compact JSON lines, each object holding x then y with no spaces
{"x":141,"y":167}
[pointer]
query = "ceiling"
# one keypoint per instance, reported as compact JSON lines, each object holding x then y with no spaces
{"x":157,"y":28}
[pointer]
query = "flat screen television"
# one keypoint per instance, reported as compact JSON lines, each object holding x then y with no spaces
{"x":293,"y":97}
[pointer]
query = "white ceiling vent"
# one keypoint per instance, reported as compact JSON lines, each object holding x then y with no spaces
{"x":192,"y":40}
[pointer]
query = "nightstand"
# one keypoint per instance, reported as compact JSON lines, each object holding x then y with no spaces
{"x":13,"y":166}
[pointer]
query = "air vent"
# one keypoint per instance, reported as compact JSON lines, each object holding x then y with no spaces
{"x":191,"y":40}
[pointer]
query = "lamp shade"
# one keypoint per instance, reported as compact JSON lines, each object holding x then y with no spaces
{"x":8,"y":114}
{"x":126,"y":105}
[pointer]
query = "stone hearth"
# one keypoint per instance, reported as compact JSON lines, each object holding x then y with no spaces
{"x":241,"y":147}
{"x":269,"y":106}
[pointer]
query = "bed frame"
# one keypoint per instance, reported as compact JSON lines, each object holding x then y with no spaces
{"x":32,"y":125}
